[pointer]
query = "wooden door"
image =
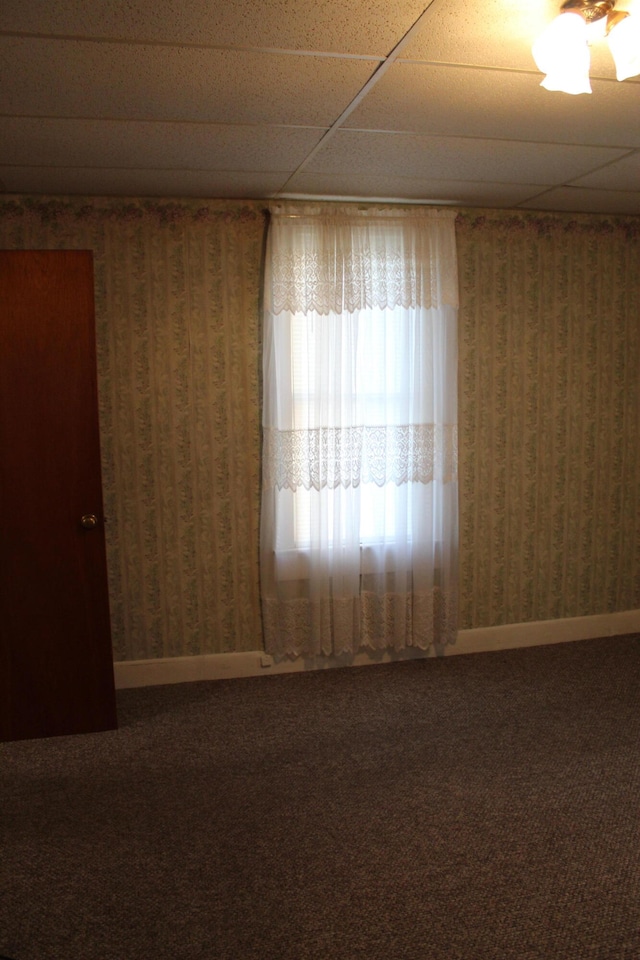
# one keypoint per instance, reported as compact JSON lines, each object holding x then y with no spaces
{"x":56,"y":666}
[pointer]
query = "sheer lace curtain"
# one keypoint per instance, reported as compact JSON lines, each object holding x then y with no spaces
{"x":359,"y":499}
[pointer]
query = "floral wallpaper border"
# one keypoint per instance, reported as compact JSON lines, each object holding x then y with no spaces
{"x":159,"y":210}
{"x":129,"y":211}
{"x":548,"y":224}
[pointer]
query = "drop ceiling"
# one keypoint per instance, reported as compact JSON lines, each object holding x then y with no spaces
{"x":336,"y":98}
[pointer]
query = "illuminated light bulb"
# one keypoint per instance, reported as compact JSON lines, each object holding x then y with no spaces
{"x":624,"y":43}
{"x":561,"y":51}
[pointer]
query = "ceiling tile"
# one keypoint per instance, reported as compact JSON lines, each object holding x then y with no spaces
{"x":575,"y":200}
{"x":456,"y":192}
{"x":333,"y":26}
{"x":496,"y":33}
{"x":166,"y":94}
{"x":117,"y":143}
{"x":81,"y":79}
{"x":139,"y":183}
{"x":494,"y":103}
{"x":624,"y":174}
{"x":457,"y":158}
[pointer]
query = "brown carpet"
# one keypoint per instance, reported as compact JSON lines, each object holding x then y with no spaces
{"x":468,"y":808}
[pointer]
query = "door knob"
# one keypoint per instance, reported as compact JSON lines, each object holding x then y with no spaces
{"x":89,"y":521}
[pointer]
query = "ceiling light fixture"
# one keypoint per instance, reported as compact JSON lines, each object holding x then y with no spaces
{"x":562,"y":49}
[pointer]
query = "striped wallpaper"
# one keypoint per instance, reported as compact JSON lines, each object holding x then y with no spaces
{"x":549,"y":412}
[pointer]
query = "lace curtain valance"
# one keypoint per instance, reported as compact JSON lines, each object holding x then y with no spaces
{"x":347,"y":456}
{"x":360,"y":259}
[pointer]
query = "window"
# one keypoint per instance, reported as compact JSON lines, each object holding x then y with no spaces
{"x":368,"y":394}
{"x":359,"y":492}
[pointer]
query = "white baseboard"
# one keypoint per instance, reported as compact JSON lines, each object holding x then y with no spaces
{"x":255,"y":663}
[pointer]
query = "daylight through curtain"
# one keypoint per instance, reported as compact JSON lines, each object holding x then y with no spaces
{"x":359,"y":504}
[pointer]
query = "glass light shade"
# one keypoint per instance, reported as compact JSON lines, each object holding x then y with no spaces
{"x":561,"y":51}
{"x":624,"y":43}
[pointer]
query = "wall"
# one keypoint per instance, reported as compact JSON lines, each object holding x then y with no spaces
{"x":549,"y":413}
{"x":549,"y":416}
{"x":177,"y":321}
